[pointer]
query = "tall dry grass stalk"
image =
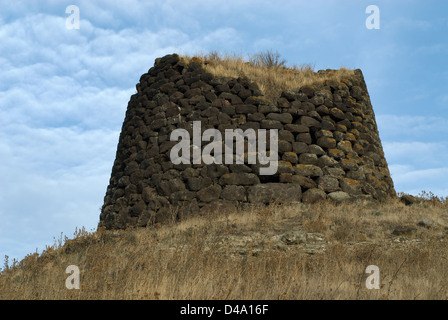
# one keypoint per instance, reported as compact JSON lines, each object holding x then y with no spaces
{"x":237,"y":255}
{"x":267,"y":70}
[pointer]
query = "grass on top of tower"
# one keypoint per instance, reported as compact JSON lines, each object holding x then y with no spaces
{"x":267,"y":70}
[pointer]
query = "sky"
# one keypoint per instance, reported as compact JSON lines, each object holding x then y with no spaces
{"x":64,"y":90}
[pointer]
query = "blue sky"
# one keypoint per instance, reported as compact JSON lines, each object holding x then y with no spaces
{"x":64,"y":92}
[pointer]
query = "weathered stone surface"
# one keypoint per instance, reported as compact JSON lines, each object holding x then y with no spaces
{"x":293,"y":237}
{"x":267,"y":108}
{"x":315,"y":149}
{"x":246,"y":108}
{"x":308,"y":158}
{"x":350,"y":186}
{"x":271,"y":124}
{"x":326,"y":161}
{"x":285,"y":118}
{"x":328,"y":125}
{"x":336,"y":153}
{"x":168,"y":187}
{"x":284,"y":146}
{"x":300,"y":147}
{"x":337,"y":113}
{"x":214,"y":170}
{"x":218,"y":206}
{"x":429,"y":224}
{"x":348,"y":164}
{"x":326,"y":142}
{"x":408,"y":200}
{"x":328,"y":183}
{"x":313,"y":195}
{"x":345,"y":146}
{"x":182,"y":195}
{"x":310,"y":122}
{"x":148,"y":193}
{"x":339,"y":196}
{"x":285,"y":167}
{"x":209,"y":193}
{"x":324,"y":133}
{"x":308,"y":170}
{"x":304,"y":137}
{"x":285,"y":177}
{"x":198,"y":183}
{"x":404,"y":230}
{"x":296,"y":128}
{"x":305,"y":182}
{"x":290,"y":157}
{"x":355,"y":175}
{"x":239,"y":168}
{"x":286,"y":136}
{"x":275,"y":192}
{"x":244,"y":179}
{"x":234,"y":193}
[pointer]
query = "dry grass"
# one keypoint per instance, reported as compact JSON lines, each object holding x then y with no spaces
{"x":237,"y":255}
{"x":268,"y":70}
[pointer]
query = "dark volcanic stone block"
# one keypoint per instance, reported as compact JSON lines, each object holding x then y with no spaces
{"x":275,"y":192}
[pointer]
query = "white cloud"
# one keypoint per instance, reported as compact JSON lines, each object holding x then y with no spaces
{"x":410,"y":180}
{"x":62,"y":101}
{"x":418,"y":154}
{"x":53,"y":180}
{"x":416,"y":149}
{"x":63,"y":96}
{"x":411,"y":128}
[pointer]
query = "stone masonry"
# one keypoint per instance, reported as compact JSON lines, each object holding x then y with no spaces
{"x":328,"y":146}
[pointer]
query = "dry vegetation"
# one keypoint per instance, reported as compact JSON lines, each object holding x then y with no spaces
{"x":266,"y":69}
{"x":256,"y":253}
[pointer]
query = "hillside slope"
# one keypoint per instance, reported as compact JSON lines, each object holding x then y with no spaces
{"x":318,"y":251}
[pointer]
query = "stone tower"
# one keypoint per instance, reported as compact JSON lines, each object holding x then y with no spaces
{"x":327,"y":146}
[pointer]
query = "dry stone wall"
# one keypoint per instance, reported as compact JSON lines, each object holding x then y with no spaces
{"x":328,"y":146}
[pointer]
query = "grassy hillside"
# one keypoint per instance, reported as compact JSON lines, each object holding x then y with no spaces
{"x":317,"y":251}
